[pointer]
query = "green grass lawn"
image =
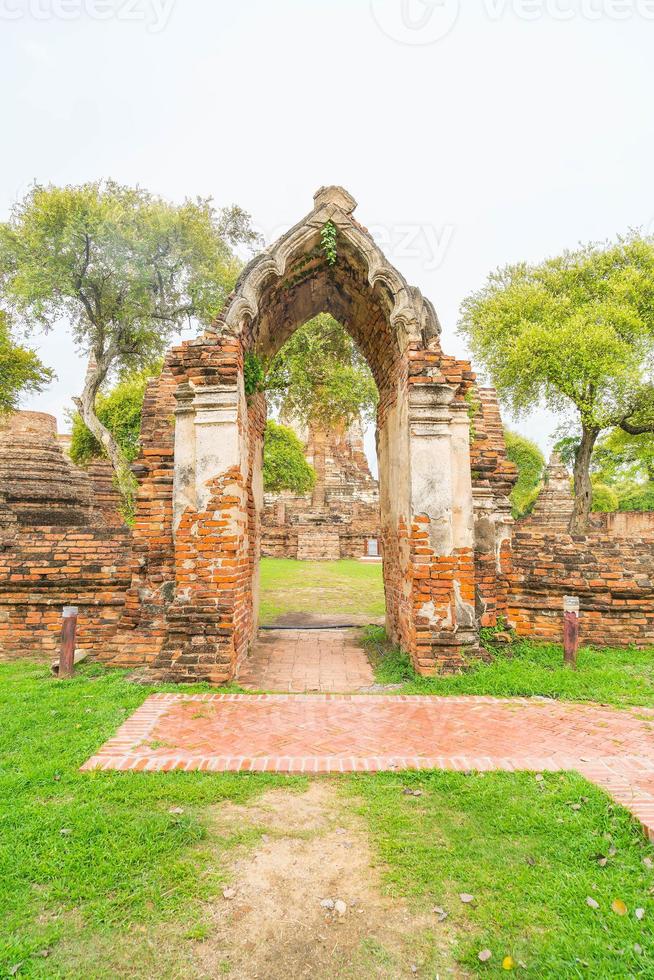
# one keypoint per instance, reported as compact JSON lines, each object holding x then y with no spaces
{"x":618,"y":677}
{"x":100,"y":875}
{"x":530,"y":862}
{"x":90,"y":862}
{"x":346,"y":587}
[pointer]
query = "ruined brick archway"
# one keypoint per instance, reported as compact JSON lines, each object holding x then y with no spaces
{"x":192,"y":609}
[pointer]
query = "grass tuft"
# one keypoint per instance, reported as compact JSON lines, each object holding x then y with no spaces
{"x":621,"y":677}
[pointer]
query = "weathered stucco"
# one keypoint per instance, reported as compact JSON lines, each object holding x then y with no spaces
{"x":194,"y":593}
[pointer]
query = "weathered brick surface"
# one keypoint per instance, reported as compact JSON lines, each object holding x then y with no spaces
{"x":610,"y":569}
{"x":46,"y":568}
{"x":613,"y":576}
{"x":39,"y":483}
{"x":341,"y":514}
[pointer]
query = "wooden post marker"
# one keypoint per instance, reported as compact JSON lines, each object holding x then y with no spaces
{"x":570,"y":630}
{"x":68,"y":635}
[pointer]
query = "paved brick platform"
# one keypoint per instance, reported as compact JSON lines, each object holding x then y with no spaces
{"x":365,"y":733}
{"x":307,"y":660}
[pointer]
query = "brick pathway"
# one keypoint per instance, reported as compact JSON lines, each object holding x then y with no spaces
{"x":366,"y":733}
{"x":306,"y":660}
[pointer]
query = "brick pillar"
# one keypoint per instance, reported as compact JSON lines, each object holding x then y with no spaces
{"x":209,"y":622}
{"x":441,"y":541}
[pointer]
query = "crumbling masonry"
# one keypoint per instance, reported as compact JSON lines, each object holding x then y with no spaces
{"x":179,"y":594}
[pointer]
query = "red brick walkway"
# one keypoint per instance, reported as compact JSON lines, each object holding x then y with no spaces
{"x":364,"y":733}
{"x":298,"y":660}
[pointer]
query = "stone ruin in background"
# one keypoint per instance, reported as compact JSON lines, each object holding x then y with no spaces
{"x":178,"y":593}
{"x":340,"y":518}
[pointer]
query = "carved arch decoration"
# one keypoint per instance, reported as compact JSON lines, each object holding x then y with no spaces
{"x":195,"y":582}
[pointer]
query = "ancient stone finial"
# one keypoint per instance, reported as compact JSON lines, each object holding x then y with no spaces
{"x":335,"y":195}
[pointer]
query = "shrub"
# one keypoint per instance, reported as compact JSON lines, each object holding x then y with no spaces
{"x":531,"y":463}
{"x":605,"y":499}
{"x":637,"y":497}
{"x":284,"y":464}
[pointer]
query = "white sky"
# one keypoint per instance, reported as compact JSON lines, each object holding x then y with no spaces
{"x":505,"y":130}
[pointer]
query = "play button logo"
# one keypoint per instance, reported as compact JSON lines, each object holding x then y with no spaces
{"x":415,"y":22}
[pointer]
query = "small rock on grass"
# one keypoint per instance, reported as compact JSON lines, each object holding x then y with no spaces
{"x":440,"y":913}
{"x":340,"y":907}
{"x":466,"y":898}
{"x":639,"y":913}
{"x":484,"y":955}
{"x":592,"y":903}
{"x":327,"y":903}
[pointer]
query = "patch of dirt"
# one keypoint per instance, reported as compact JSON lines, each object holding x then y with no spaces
{"x":300,"y":619}
{"x":272,"y":924}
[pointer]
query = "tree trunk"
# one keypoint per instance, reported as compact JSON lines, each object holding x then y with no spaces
{"x":96,"y":372}
{"x":582,"y":485}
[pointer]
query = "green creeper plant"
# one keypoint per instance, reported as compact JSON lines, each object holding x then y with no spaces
{"x":328,"y":242}
{"x":576,"y":333}
{"x":253,"y":374}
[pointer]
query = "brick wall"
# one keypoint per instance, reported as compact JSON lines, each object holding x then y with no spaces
{"x":612,"y":576}
{"x":46,"y":568}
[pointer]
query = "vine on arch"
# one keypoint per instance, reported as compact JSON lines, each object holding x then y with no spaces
{"x":328,"y":242}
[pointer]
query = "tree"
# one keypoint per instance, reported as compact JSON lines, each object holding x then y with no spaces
{"x":575,"y":332}
{"x":531,"y":464}
{"x":21,"y":371}
{"x":284,"y":464}
{"x":119,"y":410}
{"x":320,"y":378}
{"x":621,"y":462}
{"x":636,"y":497}
{"x":125,"y":267}
{"x":620,"y":457}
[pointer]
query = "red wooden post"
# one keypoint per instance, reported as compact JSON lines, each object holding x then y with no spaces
{"x":68,"y":634}
{"x":570,"y":630}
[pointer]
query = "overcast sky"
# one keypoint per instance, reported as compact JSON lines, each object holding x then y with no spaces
{"x":470,"y":137}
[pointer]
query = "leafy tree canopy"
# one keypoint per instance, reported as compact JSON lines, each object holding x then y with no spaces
{"x":605,"y":499}
{"x":284,"y":464}
{"x":531,"y":464}
{"x":126,"y":269}
{"x":636,"y":497}
{"x":319,"y":377}
{"x":119,"y":410}
{"x":575,"y":332}
{"x":21,"y":371}
{"x":623,"y":462}
{"x":620,"y":457}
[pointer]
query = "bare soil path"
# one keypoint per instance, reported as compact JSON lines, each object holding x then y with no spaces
{"x":313,"y":850}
